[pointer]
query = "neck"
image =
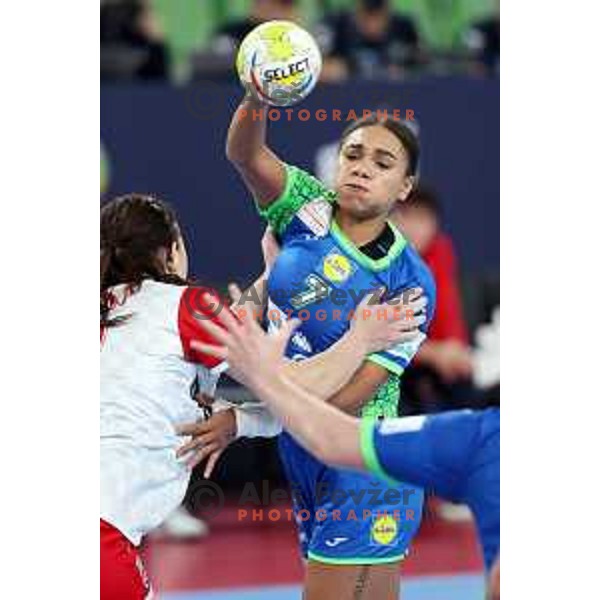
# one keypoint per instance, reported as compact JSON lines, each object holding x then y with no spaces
{"x":360,"y":232}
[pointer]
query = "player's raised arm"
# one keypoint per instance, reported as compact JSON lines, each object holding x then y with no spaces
{"x":278,"y":63}
{"x":262,"y":171}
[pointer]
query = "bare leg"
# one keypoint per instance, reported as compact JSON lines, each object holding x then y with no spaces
{"x":352,"y":582}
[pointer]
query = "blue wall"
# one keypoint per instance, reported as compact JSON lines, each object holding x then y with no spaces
{"x":170,"y":141}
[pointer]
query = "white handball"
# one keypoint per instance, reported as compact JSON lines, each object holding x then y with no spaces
{"x":281,"y":61}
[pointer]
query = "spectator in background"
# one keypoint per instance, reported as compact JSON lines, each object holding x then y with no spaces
{"x":132,"y":45}
{"x":482,"y":40}
{"x":440,"y":378}
{"x":371,"y":42}
{"x":231,"y":34}
{"x":216,"y":63}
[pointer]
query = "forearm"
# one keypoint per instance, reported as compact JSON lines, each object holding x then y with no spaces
{"x":262,"y":171}
{"x":311,"y":421}
{"x":247,"y":132}
{"x":328,"y":372}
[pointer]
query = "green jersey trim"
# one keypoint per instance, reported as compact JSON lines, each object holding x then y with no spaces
{"x":369,"y":263}
{"x":300,"y":189}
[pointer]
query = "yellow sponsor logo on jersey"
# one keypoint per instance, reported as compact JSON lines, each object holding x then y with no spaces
{"x":384,"y":530}
{"x":337,"y":268}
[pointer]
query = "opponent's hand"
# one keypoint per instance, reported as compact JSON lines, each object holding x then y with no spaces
{"x":250,"y":353}
{"x":383,"y":326}
{"x":210,"y":437}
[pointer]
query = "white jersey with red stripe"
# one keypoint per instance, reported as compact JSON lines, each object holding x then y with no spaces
{"x":147,"y":372}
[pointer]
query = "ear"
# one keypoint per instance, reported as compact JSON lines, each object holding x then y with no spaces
{"x":408,"y":185}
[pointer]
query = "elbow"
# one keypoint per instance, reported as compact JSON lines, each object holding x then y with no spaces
{"x":230,"y":153}
{"x":238,"y":157}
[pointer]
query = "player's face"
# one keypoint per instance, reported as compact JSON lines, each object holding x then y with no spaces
{"x":178,"y":260}
{"x":372,"y":173}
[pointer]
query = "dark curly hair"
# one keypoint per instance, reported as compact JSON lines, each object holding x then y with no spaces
{"x":133,"y":228}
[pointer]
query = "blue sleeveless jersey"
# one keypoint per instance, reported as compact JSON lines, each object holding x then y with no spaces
{"x":320,"y":277}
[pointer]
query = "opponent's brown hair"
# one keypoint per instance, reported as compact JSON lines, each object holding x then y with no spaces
{"x":133,"y":229}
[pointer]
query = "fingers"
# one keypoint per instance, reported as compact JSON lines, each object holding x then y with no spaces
{"x":235,"y":328}
{"x":191,"y":428}
{"x":412,"y":313}
{"x":371,"y":298}
{"x":410,"y":295}
{"x":202,"y":454}
{"x":227,"y":319}
{"x":414,"y":293}
{"x":196,"y":442}
{"x":406,"y":336}
{"x":407,"y":297}
{"x":219,"y":333}
{"x":211,"y":462}
{"x":204,"y":348}
{"x":409,"y":326}
{"x":235,"y":293}
{"x":204,"y":399}
{"x":417,"y":304}
{"x":411,"y":322}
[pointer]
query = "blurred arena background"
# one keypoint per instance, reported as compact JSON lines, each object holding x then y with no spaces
{"x":168,"y":93}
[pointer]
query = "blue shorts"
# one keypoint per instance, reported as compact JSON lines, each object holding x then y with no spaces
{"x":345,"y":517}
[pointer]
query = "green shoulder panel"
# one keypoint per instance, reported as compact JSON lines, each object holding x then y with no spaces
{"x":300,"y":188}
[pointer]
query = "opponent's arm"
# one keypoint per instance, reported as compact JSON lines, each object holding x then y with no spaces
{"x":340,"y":373}
{"x":330,"y":435}
{"x":327,"y":373}
{"x":256,"y":360}
{"x":331,"y":374}
{"x":261,"y":169}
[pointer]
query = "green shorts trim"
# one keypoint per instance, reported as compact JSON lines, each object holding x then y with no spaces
{"x":369,"y":560}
